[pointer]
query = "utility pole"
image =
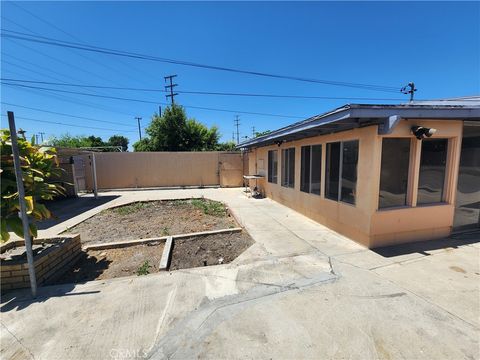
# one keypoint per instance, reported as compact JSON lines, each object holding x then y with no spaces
{"x":253,"y":132}
{"x":233,"y":136}
{"x":159,"y":110}
{"x":36,"y":139}
{"x":237,"y":124}
{"x":139,"y":128}
{"x":22,"y":133}
{"x":21,"y":200}
{"x":41,"y":135}
{"x":170,"y":88}
{"x":411,"y":90}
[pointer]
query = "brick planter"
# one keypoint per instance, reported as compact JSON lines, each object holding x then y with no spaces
{"x":58,"y":255}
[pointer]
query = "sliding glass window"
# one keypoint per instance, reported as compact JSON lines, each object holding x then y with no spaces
{"x":433,"y":165}
{"x":288,"y":167}
{"x":341,"y":171}
{"x":311,"y":167}
{"x":394,"y":172}
{"x":273,"y":166}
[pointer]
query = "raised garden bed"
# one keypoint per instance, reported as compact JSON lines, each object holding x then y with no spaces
{"x":208,"y":250}
{"x":52,"y":257}
{"x":154,"y":219}
{"x":116,"y":262}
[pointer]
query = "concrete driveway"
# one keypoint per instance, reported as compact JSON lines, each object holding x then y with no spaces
{"x":301,"y":291}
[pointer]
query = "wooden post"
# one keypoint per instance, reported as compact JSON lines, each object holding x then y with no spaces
{"x":21,"y":200}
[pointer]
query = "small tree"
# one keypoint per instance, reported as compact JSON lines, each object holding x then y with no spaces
{"x":174,"y":132}
{"x":118,"y":140}
{"x":39,"y":165}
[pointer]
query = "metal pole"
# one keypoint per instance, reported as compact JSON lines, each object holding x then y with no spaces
{"x":139,"y":128}
{"x":94,"y":174}
{"x":21,"y":200}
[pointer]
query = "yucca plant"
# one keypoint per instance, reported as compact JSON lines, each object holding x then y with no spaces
{"x":39,"y":166}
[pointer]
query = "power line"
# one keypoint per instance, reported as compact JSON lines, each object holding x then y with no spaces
{"x":64,"y":124}
{"x":203,"y":92}
{"x":66,"y":44}
{"x":67,"y":115}
{"x":151,"y":102}
{"x":83,"y":103}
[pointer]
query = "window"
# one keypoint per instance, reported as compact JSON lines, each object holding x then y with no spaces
{"x":394,"y":172}
{"x":433,"y":163}
{"x":349,"y":171}
{"x":311,"y":169}
{"x":332,"y":171}
{"x":273,"y":166}
{"x":288,"y":167}
{"x":341,"y":171}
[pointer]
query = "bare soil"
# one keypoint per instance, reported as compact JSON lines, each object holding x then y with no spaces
{"x":113,"y":263}
{"x":208,"y":250}
{"x":154,"y":219}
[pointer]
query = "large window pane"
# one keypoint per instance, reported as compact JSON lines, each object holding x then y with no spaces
{"x":394,"y":172}
{"x":305,"y":169}
{"x":332,"y":171}
{"x":316,"y":169}
{"x":433,"y":161}
{"x":272,"y":166}
{"x":288,"y":167}
{"x":349,"y":171}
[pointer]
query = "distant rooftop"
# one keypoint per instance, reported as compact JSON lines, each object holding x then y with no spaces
{"x":352,"y":116}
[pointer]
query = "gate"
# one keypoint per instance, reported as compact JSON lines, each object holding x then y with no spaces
{"x":230,"y":169}
{"x":79,"y":173}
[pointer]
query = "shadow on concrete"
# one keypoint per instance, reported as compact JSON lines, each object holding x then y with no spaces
{"x":423,"y":247}
{"x":20,"y":299}
{"x":67,"y":208}
{"x":87,"y":268}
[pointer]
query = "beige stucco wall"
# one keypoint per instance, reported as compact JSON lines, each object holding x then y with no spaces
{"x":363,"y":222}
{"x":157,"y":169}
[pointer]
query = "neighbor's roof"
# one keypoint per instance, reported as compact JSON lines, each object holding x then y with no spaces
{"x":352,"y":116}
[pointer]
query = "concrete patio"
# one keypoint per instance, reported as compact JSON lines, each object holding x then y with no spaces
{"x":301,"y":291}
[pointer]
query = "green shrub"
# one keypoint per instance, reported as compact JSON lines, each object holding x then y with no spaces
{"x":39,"y":165}
{"x":144,"y":269}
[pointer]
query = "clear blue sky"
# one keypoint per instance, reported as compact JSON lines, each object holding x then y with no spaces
{"x":435,"y":44}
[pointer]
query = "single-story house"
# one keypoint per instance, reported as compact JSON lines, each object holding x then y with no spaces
{"x":379,"y":174}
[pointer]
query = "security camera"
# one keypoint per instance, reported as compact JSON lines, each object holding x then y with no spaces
{"x":421,"y":132}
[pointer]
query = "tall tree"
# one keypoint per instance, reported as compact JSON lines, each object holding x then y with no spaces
{"x":118,"y":140}
{"x":174,"y":132}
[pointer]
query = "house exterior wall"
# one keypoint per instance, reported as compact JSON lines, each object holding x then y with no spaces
{"x":364,"y":222}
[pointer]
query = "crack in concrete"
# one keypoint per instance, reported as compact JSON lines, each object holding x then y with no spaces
{"x":203,"y":320}
{"x":18,"y":340}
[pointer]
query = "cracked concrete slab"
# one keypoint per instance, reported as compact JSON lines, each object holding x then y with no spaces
{"x":301,"y":291}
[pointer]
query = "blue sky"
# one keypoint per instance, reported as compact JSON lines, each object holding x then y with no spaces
{"x":435,"y":44}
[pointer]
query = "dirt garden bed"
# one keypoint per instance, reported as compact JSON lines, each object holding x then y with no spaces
{"x":117,"y":262}
{"x":154,"y":219}
{"x":208,"y":250}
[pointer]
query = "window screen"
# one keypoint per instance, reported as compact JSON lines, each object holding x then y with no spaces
{"x":433,"y":162}
{"x":394,"y":172}
{"x":273,"y":166}
{"x":349,"y":171}
{"x":332,"y":171}
{"x":311,"y":168}
{"x":288,"y":167}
